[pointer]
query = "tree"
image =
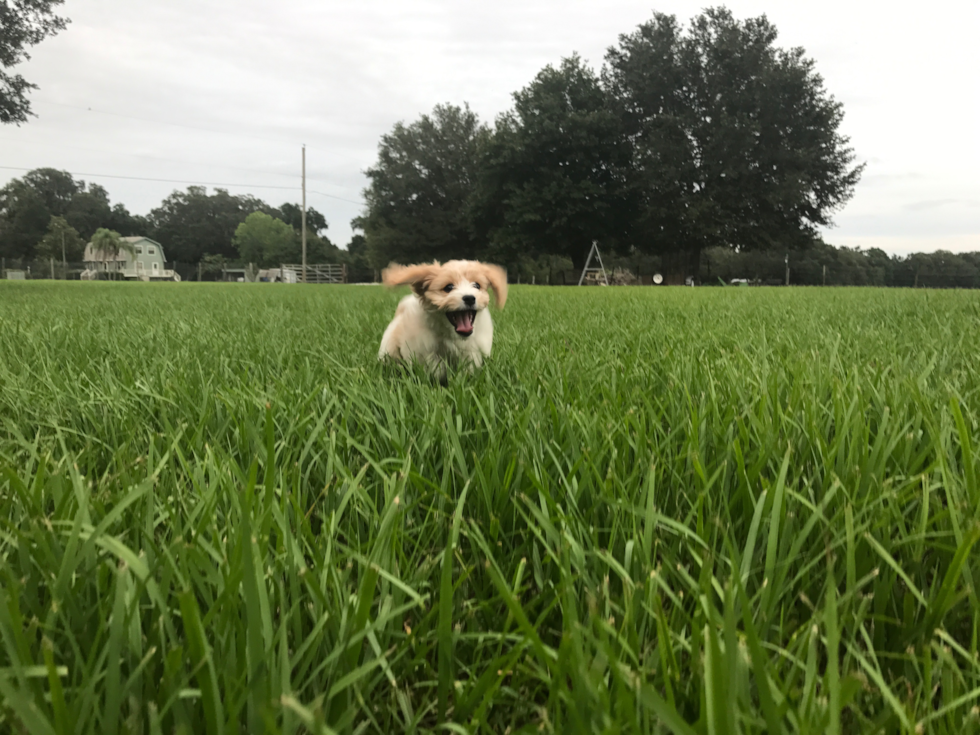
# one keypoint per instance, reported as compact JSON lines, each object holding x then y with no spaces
{"x":264,"y":240}
{"x":127,"y":224}
{"x":62,"y":241}
{"x":28,"y":204}
{"x":212,"y":264}
{"x":319,"y":249}
{"x":23,"y":23}
{"x":554,"y":173}
{"x":736,"y":142}
{"x":193,"y":223}
{"x":56,"y":188}
{"x":106,"y":246}
{"x":23,"y":219}
{"x":420,"y":190}
{"x":89,"y":210}
{"x":357,"y":253}
{"x":292,"y":214}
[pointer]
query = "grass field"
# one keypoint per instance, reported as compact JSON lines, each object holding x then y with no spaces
{"x":655,"y":510}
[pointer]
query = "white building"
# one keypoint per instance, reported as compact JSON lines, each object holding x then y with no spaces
{"x":145,"y":263}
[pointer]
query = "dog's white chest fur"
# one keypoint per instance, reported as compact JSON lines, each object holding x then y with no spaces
{"x":429,"y":337}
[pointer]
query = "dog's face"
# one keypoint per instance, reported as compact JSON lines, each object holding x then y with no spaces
{"x":458,"y":288}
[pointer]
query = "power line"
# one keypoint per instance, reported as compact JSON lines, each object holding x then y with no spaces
{"x":350,"y":201}
{"x":171,"y":181}
{"x":166,"y":122}
{"x":164,"y":181}
{"x":191,"y":183}
{"x":143,"y":155}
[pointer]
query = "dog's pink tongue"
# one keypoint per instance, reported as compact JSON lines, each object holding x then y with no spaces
{"x":464,"y":322}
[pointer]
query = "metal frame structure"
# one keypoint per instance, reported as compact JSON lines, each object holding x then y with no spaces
{"x":600,"y":269}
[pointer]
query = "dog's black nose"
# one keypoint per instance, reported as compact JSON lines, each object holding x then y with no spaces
{"x":469,"y":299}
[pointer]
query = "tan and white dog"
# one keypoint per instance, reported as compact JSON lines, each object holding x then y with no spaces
{"x":446,"y":319}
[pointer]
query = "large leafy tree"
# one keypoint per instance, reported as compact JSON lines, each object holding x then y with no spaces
{"x":27,"y":205}
{"x":89,"y":210}
{"x":192,"y":223}
{"x":24,"y":218}
{"x":23,"y":23}
{"x":553,"y":177}
{"x":357,"y":253}
{"x":421,"y":188}
{"x":736,"y":141}
{"x":319,"y":249}
{"x":61,"y":241}
{"x":265,"y":240}
{"x":292,"y":214}
{"x":125,"y":223}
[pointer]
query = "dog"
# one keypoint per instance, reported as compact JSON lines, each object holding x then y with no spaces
{"x":446,"y":319}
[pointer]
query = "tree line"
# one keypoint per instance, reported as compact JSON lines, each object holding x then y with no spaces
{"x":816,"y":265}
{"x":823,"y":264}
{"x":48,"y":213}
{"x":689,"y":137}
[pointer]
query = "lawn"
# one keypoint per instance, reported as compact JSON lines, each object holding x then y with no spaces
{"x":715,"y":510}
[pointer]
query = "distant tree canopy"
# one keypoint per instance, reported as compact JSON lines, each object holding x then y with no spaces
{"x":23,"y":23}
{"x":736,"y":142}
{"x":421,"y":189}
{"x":268,"y":241}
{"x":823,"y":264}
{"x":552,"y":179}
{"x":708,"y":136}
{"x":357,"y":253}
{"x":292,"y":214}
{"x":28,"y":204}
{"x":264,"y":240}
{"x":189,"y":224}
{"x":61,"y":241}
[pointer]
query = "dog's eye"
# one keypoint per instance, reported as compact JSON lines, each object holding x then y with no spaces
{"x":448,"y":288}
{"x":476,"y":286}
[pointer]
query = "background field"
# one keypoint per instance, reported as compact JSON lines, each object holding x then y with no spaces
{"x":695,"y":510}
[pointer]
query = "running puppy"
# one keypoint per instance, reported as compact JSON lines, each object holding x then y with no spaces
{"x":446,"y":319}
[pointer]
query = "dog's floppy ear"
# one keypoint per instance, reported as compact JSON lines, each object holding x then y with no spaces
{"x":498,"y":282}
{"x":417,"y":276}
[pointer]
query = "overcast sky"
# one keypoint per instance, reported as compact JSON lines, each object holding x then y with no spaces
{"x":226,"y":92}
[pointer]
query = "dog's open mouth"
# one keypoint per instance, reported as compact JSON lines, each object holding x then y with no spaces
{"x":463,"y":321}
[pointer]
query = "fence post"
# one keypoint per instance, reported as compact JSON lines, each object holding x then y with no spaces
{"x":52,"y":269}
{"x":198,"y":271}
{"x":825,"y":275}
{"x":3,"y":267}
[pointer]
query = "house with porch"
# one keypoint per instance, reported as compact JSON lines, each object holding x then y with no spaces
{"x":144,"y":263}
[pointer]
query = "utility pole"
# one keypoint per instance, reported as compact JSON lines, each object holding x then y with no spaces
{"x":304,"y":213}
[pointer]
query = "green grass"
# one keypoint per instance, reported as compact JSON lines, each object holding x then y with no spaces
{"x":654,"y":510}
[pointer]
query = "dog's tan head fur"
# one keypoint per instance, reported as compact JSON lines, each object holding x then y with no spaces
{"x":443,"y":286}
{"x":455,"y":287}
